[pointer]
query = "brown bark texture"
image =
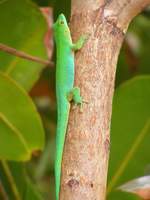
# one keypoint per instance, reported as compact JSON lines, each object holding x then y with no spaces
{"x":86,"y":152}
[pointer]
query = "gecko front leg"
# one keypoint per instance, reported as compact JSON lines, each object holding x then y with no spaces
{"x":79,"y":44}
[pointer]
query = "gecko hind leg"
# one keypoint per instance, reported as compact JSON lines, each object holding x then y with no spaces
{"x":74,"y":95}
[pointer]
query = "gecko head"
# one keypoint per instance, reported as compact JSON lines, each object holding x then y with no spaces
{"x":60,"y":23}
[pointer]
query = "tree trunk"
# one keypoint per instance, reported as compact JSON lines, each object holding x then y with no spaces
{"x":86,"y":153}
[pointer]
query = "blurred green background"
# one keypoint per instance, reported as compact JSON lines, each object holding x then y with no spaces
{"x":26,"y":28}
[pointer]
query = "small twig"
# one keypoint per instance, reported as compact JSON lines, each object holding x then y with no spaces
{"x":24,"y":55}
{"x":3,"y":194}
{"x":11,"y":180}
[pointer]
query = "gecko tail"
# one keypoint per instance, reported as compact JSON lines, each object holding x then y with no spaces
{"x":60,"y":141}
{"x":57,"y":178}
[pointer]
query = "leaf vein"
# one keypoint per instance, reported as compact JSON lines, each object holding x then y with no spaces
{"x":16,"y":131}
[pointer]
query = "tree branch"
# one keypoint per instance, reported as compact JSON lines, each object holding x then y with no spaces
{"x":122,"y":12}
{"x":24,"y":55}
{"x":86,"y":153}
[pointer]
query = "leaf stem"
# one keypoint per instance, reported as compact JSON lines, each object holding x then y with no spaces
{"x":11,"y":180}
{"x":3,"y":194}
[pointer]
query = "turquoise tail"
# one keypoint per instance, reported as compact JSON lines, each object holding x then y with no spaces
{"x":62,"y":121}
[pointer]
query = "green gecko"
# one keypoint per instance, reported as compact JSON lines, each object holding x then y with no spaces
{"x":65,"y":92}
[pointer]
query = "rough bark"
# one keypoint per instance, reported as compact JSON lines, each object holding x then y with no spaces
{"x":86,"y":153}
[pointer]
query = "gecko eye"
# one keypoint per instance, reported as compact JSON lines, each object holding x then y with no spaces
{"x":61,"y":22}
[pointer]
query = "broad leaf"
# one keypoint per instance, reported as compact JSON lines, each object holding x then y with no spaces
{"x":130,"y":135}
{"x":22,"y":27}
{"x":21,"y":131}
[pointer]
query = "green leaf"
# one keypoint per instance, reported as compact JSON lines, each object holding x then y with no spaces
{"x":24,"y":28}
{"x":130,"y":134}
{"x":16,"y":183}
{"x":32,"y":191}
{"x":21,"y":131}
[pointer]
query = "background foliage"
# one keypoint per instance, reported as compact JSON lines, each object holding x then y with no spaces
{"x":25,"y":28}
